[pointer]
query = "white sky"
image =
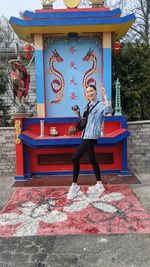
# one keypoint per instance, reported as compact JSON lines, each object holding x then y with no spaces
{"x":10,"y":8}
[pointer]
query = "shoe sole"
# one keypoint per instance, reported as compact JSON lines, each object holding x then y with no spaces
{"x":74,"y":196}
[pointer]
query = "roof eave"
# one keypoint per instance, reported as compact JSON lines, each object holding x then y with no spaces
{"x":27,"y":33}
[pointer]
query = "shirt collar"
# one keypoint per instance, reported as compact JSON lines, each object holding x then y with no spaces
{"x":94,"y":102}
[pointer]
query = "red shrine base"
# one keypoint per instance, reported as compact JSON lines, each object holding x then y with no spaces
{"x":61,"y":180}
{"x":45,"y":211}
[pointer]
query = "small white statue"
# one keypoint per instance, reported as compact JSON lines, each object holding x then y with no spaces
{"x":47,"y":3}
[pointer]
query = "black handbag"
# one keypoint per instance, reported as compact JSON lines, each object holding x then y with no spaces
{"x":81,"y":124}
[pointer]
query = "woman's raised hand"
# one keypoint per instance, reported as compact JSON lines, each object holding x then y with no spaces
{"x":104,"y":96}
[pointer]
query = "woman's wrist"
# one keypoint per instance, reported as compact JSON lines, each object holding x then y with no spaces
{"x":107,"y":102}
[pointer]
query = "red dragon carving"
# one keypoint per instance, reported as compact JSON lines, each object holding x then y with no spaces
{"x":59,"y":90}
{"x":90,"y":56}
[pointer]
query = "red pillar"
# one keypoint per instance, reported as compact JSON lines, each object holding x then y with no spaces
{"x":19,"y":150}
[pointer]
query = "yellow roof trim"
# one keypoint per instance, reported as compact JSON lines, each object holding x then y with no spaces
{"x":26,"y":33}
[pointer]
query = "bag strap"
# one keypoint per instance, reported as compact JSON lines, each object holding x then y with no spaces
{"x":88,"y":115}
{"x":93,"y":107}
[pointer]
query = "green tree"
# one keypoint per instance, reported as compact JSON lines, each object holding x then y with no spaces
{"x":132,"y":65}
{"x":132,"y":69}
{"x":4,"y":118}
{"x":7,"y":35}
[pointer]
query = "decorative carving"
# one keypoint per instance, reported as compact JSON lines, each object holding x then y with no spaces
{"x":19,"y":79}
{"x":72,"y":3}
{"x":17,"y":131}
{"x":59,"y":91}
{"x":118,"y":99}
{"x":97,"y":3}
{"x":47,"y":3}
{"x":48,"y":39}
{"x":90,"y":56}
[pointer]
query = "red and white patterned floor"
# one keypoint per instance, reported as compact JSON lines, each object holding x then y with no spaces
{"x":34,"y":211}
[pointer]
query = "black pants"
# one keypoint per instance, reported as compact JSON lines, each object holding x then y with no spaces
{"x":87,"y":146}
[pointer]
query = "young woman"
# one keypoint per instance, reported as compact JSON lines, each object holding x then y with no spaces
{"x":89,"y":136}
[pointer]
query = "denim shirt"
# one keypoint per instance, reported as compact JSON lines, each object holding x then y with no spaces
{"x":95,"y":119}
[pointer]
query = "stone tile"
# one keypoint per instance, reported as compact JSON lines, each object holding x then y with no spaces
{"x":78,"y":251}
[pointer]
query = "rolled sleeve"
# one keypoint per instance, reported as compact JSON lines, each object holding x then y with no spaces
{"x":107,"y":110}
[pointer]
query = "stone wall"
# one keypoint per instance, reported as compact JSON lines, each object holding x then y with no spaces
{"x":7,"y":151}
{"x":138,"y":148}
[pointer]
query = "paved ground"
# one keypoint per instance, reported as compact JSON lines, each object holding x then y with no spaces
{"x":132,"y":250}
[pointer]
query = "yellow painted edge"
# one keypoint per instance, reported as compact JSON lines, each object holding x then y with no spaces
{"x":26,"y":33}
{"x":38,"y":41}
{"x":107,"y":40}
{"x":41,"y":110}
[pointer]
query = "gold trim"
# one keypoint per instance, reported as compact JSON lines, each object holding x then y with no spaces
{"x":17,"y":131}
{"x":71,"y":3}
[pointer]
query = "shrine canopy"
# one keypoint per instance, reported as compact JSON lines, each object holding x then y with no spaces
{"x":64,"y":21}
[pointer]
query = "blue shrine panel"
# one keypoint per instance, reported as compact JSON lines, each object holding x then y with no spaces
{"x":70,"y":65}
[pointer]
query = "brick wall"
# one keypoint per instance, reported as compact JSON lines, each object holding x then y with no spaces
{"x":138,"y":148}
{"x":7,"y":151}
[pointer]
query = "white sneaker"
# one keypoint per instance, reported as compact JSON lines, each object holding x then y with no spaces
{"x":73,"y":191}
{"x":96,"y":190}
